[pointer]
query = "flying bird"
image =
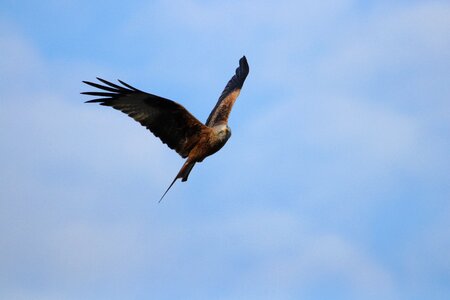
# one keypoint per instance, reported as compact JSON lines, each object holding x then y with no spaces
{"x":173,"y":124}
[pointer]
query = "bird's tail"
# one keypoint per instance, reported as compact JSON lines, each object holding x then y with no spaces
{"x":183,"y":174}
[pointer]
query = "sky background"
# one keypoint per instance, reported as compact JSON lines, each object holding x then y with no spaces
{"x":334,"y":185}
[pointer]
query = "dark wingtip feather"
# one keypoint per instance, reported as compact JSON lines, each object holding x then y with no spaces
{"x":103,"y":87}
{"x":89,"y":83}
{"x":128,"y":86}
{"x":94,"y":101}
{"x":108,"y":91}
{"x":111,"y":84}
{"x":112,"y":95}
{"x":243,"y":64}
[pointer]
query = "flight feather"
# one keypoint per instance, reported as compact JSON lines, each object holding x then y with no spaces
{"x":169,"y":121}
{"x":222,"y":109}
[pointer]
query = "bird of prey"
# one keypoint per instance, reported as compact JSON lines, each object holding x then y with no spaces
{"x":171,"y":122}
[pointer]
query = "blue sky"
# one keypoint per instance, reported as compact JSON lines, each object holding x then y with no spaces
{"x":334,"y":185}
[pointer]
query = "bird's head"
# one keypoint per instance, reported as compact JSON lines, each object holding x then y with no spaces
{"x":223,"y":131}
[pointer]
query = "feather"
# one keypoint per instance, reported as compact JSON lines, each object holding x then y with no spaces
{"x":166,"y":119}
{"x":220,"y":113}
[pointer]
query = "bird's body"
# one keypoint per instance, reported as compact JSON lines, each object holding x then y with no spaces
{"x":210,"y":142}
{"x":171,"y":122}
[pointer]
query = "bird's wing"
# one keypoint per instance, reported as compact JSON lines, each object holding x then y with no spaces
{"x":220,"y":113}
{"x":166,"y":119}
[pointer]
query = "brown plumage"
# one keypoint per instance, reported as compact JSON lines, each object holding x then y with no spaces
{"x":173,"y":124}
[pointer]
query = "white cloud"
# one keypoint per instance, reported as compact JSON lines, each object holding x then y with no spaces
{"x":18,"y":58}
{"x":237,"y":17}
{"x":391,"y":41}
{"x":337,"y":133}
{"x":63,"y":160}
{"x":286,"y":259}
{"x":46,"y":126}
{"x":335,"y":110}
{"x":88,"y":252}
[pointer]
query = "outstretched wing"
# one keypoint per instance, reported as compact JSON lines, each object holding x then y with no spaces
{"x":166,"y":119}
{"x":220,"y":113}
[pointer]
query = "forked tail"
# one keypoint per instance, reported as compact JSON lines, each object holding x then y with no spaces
{"x":183,"y":174}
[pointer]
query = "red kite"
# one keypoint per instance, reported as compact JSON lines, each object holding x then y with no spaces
{"x":171,"y":122}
